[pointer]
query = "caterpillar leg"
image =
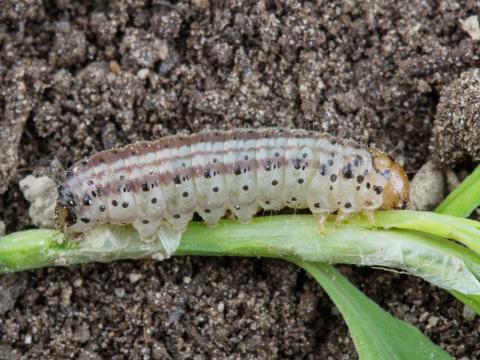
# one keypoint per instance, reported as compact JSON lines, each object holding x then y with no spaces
{"x":342,"y":216}
{"x":170,"y":239}
{"x":320,"y":219}
{"x":370,"y":214}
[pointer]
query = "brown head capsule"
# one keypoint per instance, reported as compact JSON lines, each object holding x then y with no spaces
{"x":396,"y":193}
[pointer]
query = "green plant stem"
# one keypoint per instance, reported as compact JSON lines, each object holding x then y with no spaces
{"x":439,"y":261}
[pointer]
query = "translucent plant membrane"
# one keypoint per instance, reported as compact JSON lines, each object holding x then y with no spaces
{"x":439,"y":261}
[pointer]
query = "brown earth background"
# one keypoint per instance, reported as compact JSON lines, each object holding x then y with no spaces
{"x":80,"y":76}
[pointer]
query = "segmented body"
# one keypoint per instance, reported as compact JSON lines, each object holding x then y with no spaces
{"x":161,"y":184}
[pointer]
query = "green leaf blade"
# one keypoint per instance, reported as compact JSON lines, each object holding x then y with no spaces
{"x":377,"y":334}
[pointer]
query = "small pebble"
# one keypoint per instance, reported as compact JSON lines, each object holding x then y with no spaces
{"x":120,"y":292}
{"x":427,"y":189}
{"x":133,"y":277}
{"x":471,"y":26}
{"x":142,"y":74}
{"x":468,"y":313}
{"x":187,"y":280}
{"x":114,"y":67}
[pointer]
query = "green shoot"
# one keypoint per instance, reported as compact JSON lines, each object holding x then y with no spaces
{"x":377,"y":334}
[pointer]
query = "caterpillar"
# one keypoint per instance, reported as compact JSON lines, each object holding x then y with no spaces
{"x":158,"y":186}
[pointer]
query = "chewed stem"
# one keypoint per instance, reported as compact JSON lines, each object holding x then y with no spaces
{"x":437,"y":260}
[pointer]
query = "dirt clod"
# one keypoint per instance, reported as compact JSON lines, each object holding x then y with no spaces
{"x":457,"y":122}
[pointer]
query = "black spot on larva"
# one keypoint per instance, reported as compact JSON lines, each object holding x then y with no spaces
{"x":177,"y":180}
{"x":207,"y":211}
{"x":154,"y":200}
{"x":145,"y":222}
{"x":119,"y":188}
{"x":297,"y":164}
{"x":294,"y":199}
{"x":128,"y":187}
{"x":114,"y":202}
{"x":300,"y":181}
{"x":215,"y":189}
{"x":245,"y":169}
{"x":208,"y":173}
{"x":377,"y":189}
{"x":185,"y":165}
{"x":277,"y":154}
{"x":99,"y":190}
{"x":185,"y":194}
{"x":330,"y":162}
{"x":323,"y":170}
{"x":331,"y":188}
{"x":332,"y":154}
{"x":348,"y":205}
{"x":87,"y":200}
{"x":246,"y":157}
{"x":360,"y":179}
{"x":304,"y":155}
{"x":102,"y":208}
{"x":274,"y":182}
{"x":214,"y":160}
{"x":317,"y":205}
{"x":333,"y":142}
{"x":90,"y":182}
{"x":333,"y":178}
{"x":70,"y":174}
{"x":368,"y":185}
{"x":145,"y":186}
{"x":368,"y":203}
{"x":268,"y":165}
{"x":236,"y":207}
{"x":358,"y":188}
{"x":347,"y":171}
{"x":237,"y":170}
{"x":122,"y":178}
{"x":176,"y":216}
{"x":125,"y":204}
{"x":357,"y":161}
{"x":84,"y":163}
{"x":245,"y":187}
{"x":267,"y":202}
{"x":94,"y":194}
{"x":85,"y":220}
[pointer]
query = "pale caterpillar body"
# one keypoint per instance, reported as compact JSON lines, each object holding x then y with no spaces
{"x":158,"y":186}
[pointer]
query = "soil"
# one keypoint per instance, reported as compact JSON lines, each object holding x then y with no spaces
{"x":78,"y":77}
